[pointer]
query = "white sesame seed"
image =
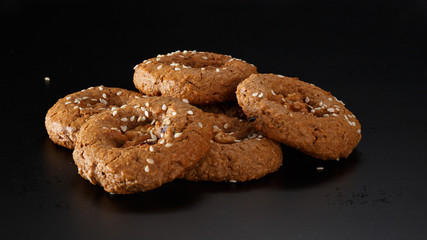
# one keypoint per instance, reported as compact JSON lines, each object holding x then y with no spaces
{"x":141,"y":118}
{"x":233,"y":181}
{"x":147,"y":104}
{"x":146,"y":113}
{"x":203,"y":69}
{"x":104,"y":95}
{"x":153,"y":122}
{"x":215,"y":127}
{"x":151,"y":149}
{"x":331,"y":110}
{"x":330,"y":99}
{"x":159,"y":67}
{"x":307,"y":99}
{"x":148,"y":62}
{"x":359,"y":130}
{"x":104,"y":128}
{"x":137,"y":97}
{"x":167,"y":121}
{"x":157,"y":59}
{"x":103,"y":101}
{"x":272,"y":92}
{"x":146,"y":169}
{"x":226,"y":126}
{"x":280,"y":76}
{"x":217,"y":70}
{"x":162,"y":141}
{"x":113,"y":128}
{"x":260,"y":136}
{"x":94,"y":100}
{"x":75,"y":107}
{"x":334,"y":114}
{"x":173,"y":113}
{"x":200,"y":124}
{"x":286,"y":106}
{"x":204,"y":57}
{"x":101,"y":88}
{"x":164,"y":107}
{"x":185,"y":100}
{"x":190,"y":112}
{"x":47,"y":79}
{"x":67,"y":103}
{"x":124,"y":119}
{"x":143,"y":109}
{"x":326,"y":115}
{"x":84,"y":98}
{"x":76,"y":101}
{"x":237,"y":141}
{"x":224,"y":68}
{"x":150,"y":161}
{"x":124,"y":128}
{"x":168,"y":145}
{"x":132,"y":118}
{"x":260,"y":95}
{"x":114,"y":113}
{"x":319,"y":169}
{"x":176,"y":135}
{"x":119,"y":93}
{"x":68,"y":98}
{"x":231,"y":60}
{"x":177,"y":69}
{"x":255,"y":94}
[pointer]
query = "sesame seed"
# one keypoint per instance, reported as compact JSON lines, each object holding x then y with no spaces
{"x":84,"y":98}
{"x":231,"y":60}
{"x":101,"y":88}
{"x":173,"y":113}
{"x":167,"y":121}
{"x":203,"y":69}
{"x":334,"y":114}
{"x":147,"y":104}
{"x":151,"y":149}
{"x":217,"y":70}
{"x":158,"y":59}
{"x":260,"y":95}
{"x":319,"y":169}
{"x":168,"y":145}
{"x":104,"y":95}
{"x":137,"y":97}
{"x":326,"y":115}
{"x":255,"y":94}
{"x":272,"y":92}
{"x":143,"y":109}
{"x":176,"y":135}
{"x":47,"y":79}
{"x":146,"y":169}
{"x":260,"y":136}
{"x":331,"y":110}
{"x":224,"y":68}
{"x":146,"y":113}
{"x":233,"y":181}
{"x":321,"y":103}
{"x":153,"y":122}
{"x":204,"y":57}
{"x":124,"y":128}
{"x":76,"y":101}
{"x":177,"y":69}
{"x":150,"y":161}
{"x":330,"y":99}
{"x":132,"y":118}
{"x":283,"y":99}
{"x":103,"y":101}
{"x":280,"y":76}
{"x":190,"y":112}
{"x":200,"y":124}
{"x":226,"y":126}
{"x":237,"y":141}
{"x":75,"y":107}
{"x":95,"y":100}
{"x":113,"y":128}
{"x":135,"y":66}
{"x":119,"y":93}
{"x":164,"y":107}
{"x":286,"y":106}
{"x":114,"y":113}
{"x":162,"y":141}
{"x":359,"y":130}
{"x":307,"y":99}
{"x":185,"y":100}
{"x":181,"y":56}
{"x":159,"y":67}
{"x":67,"y":103}
{"x":141,"y":118}
{"x":215,"y":127}
{"x":147,"y":62}
{"x":104,"y":128}
{"x":68,"y":98}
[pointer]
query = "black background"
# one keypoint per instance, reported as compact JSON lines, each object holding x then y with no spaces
{"x":370,"y":54}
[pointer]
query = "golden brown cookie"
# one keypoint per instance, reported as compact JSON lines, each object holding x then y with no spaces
{"x":238,"y":153}
{"x":299,"y":115}
{"x":142,"y":145}
{"x":199,"y":77}
{"x":64,"y":119}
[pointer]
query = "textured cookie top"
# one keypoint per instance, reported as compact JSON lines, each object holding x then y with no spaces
{"x":199,"y":77}
{"x":238,"y":153}
{"x":141,"y":145}
{"x":65,"y":117}
{"x":300,"y":115}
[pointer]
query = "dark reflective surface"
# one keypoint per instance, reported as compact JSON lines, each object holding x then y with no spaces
{"x":370,"y":55}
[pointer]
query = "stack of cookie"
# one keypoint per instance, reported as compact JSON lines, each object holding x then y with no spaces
{"x":185,"y":123}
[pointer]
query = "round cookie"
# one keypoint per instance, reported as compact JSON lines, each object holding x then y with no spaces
{"x":199,"y":77}
{"x":299,"y":115}
{"x":238,"y":153}
{"x":64,"y":119}
{"x":142,"y":145}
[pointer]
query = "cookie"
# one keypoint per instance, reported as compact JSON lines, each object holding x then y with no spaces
{"x":142,"y":145}
{"x":64,"y":119}
{"x":299,"y":115}
{"x":238,"y":153}
{"x":231,"y":109}
{"x":199,"y":77}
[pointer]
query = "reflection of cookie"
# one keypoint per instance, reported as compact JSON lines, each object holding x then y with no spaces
{"x":238,"y":153}
{"x":142,"y":145}
{"x":64,"y":119}
{"x":199,"y":77}
{"x":300,"y":115}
